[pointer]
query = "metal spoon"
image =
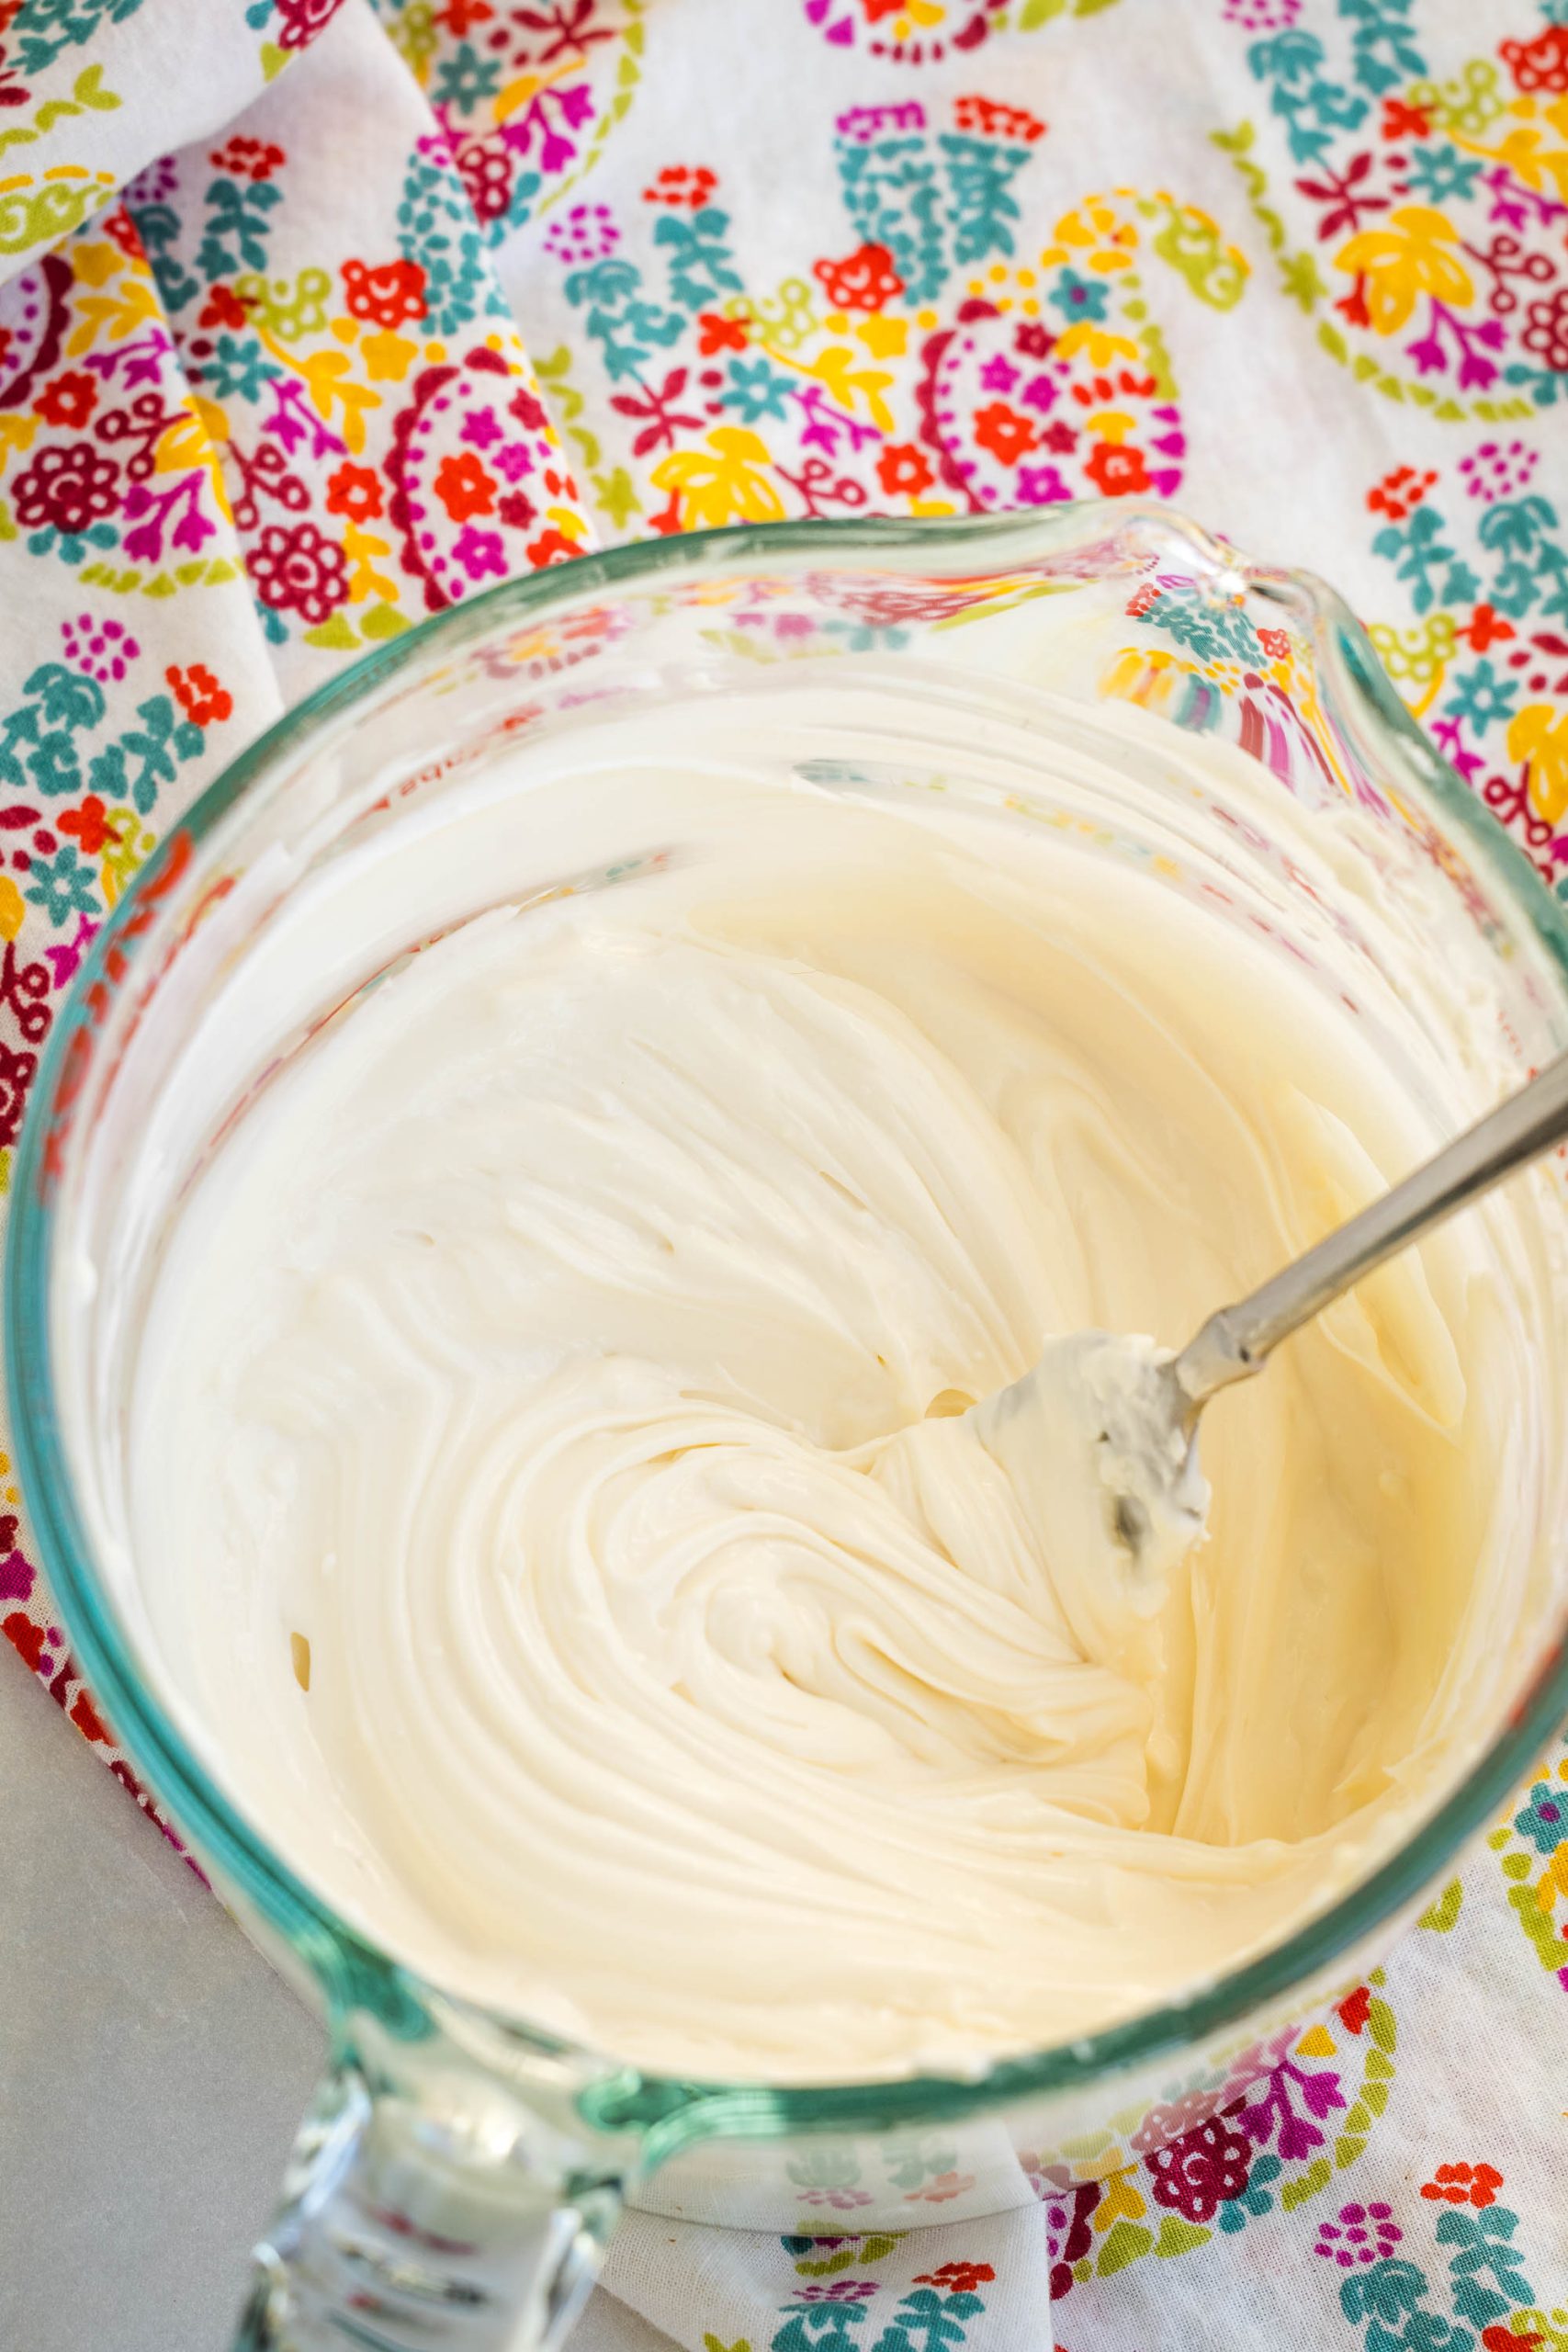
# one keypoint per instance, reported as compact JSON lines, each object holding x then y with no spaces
{"x":1147,"y":1408}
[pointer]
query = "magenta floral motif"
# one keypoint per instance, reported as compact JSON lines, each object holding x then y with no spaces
{"x":1497,"y":470}
{"x":587,"y":233}
{"x":1194,"y":2176}
{"x":299,"y":21}
{"x":1361,"y":2235}
{"x":1262,"y":16}
{"x":295,"y":569}
{"x":66,"y":488}
{"x":100,"y":649}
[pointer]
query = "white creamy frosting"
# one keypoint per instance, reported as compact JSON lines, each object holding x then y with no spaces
{"x":570,"y":1347}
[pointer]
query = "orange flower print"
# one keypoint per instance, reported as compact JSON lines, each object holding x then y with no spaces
{"x":1398,"y":492}
{"x":863,"y":280}
{"x":902,"y":467}
{"x":355,"y":490}
{"x":686,"y":186}
{"x":997,"y":121}
{"x":1485,"y":628}
{"x":1474,"y":2184}
{"x":223,"y":307}
{"x":69,"y":399}
{"x":88,"y":825}
{"x":1117,"y":469}
{"x":198,"y":693}
{"x":716,"y":334}
{"x":465,"y":486}
{"x":550,"y":547}
{"x":1004,"y":432}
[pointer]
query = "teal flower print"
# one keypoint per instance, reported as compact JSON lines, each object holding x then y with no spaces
{"x":238,"y":368}
{"x":63,"y":885}
{"x":1480,"y":697}
{"x":465,"y":80}
{"x":1438,"y":173}
{"x":1079,"y":298}
{"x":1544,"y":1821}
{"x":756,"y":390}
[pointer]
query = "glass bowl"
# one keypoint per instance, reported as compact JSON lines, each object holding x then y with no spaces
{"x":459,"y":2172}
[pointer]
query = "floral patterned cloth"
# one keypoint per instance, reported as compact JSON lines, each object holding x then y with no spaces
{"x":267,"y":399}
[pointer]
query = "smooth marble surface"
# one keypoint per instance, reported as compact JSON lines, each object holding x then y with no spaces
{"x":152,"y":2068}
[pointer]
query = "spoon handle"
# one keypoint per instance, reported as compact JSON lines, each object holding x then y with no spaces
{"x":1237,"y":1341}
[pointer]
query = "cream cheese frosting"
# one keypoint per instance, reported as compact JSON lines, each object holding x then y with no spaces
{"x":553,"y":1495}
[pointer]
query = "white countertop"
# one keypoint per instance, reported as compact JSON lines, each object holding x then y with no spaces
{"x":152,"y":2068}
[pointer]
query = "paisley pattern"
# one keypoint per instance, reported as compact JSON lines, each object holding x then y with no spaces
{"x":610,"y":270}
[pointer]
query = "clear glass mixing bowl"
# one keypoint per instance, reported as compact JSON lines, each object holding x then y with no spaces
{"x":460,"y":2171}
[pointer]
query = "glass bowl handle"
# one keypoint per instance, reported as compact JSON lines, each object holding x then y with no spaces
{"x":413,"y":2223}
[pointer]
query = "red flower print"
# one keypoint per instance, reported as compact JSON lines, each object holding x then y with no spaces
{"x":300,"y":20}
{"x":460,"y":17}
{"x":1275,"y":642}
{"x":516,"y":511}
{"x":1485,"y":628}
{"x":296,"y":569}
{"x":527,"y":408}
{"x":1547,"y":332}
{"x":69,"y":399}
{"x":1032,"y":341}
{"x":551,"y":547}
{"x":1004,"y":432}
{"x":390,"y":294}
{"x":687,"y":186}
{"x":198,"y":693}
{"x":1538,"y":64}
{"x":26,"y":1639}
{"x":89,"y":825}
{"x":875,"y":10}
{"x":86,"y":1718}
{"x":248,"y":159}
{"x":1474,"y":2184}
{"x":999,"y":121}
{"x":1117,"y":469}
{"x":715,"y":333}
{"x":355,"y":490}
{"x":863,"y":280}
{"x":64,"y":490}
{"x":1402,"y":121}
{"x":1498,"y":2339}
{"x":223,"y":307}
{"x":901,"y":467}
{"x":17,"y":1070}
{"x":1138,"y":604}
{"x":484,"y":166}
{"x":1399,"y":491}
{"x":1353,"y":306}
{"x":957,"y":2278}
{"x":465,"y":486}
{"x":1199,"y":2173}
{"x":1352,"y":2010}
{"x":119,"y":226}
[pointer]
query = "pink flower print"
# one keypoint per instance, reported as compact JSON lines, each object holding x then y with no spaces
{"x":482,"y":427}
{"x":998,"y":374}
{"x":1362,"y":2235}
{"x":513,"y":461}
{"x":1262,"y":16}
{"x":480,"y":553}
{"x":842,"y":2290}
{"x":842,"y":2200}
{"x":1499,"y":470}
{"x":587,"y":233}
{"x":100,"y":649}
{"x":1041,"y":486}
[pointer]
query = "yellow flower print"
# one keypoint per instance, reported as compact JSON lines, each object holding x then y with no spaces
{"x":1406,"y":259}
{"x":722,"y":483}
{"x":1537,"y":738}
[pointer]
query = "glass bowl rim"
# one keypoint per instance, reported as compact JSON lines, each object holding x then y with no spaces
{"x":349,"y":1964}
